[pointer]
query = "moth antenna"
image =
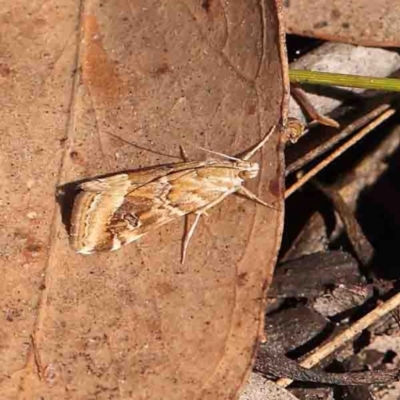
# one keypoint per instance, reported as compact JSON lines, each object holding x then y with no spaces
{"x":140,"y":147}
{"x":250,"y":153}
{"x":219,"y":154}
{"x":188,"y":236}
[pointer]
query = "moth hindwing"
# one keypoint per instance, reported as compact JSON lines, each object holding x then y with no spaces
{"x":114,"y":211}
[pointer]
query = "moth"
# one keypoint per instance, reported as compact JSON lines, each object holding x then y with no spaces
{"x":116,"y":210}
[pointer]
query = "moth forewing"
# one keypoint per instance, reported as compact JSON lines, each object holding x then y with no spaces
{"x":93,"y":207}
{"x":116,"y":210}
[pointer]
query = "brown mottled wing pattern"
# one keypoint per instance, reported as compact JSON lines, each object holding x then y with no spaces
{"x":110,"y":212}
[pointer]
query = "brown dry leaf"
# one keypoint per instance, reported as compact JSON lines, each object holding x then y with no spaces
{"x":363,"y":22}
{"x":134,"y":324}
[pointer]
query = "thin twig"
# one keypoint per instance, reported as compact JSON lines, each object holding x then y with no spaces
{"x":361,"y":245}
{"x":302,"y":100}
{"x":339,"y":151}
{"x":363,"y":323}
{"x":343,"y":134}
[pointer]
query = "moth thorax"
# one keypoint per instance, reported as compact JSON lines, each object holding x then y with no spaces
{"x":249,"y":170}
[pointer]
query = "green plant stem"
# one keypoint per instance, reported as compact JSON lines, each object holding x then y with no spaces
{"x":330,"y":79}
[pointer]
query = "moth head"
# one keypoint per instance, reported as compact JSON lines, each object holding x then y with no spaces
{"x":249,"y":170}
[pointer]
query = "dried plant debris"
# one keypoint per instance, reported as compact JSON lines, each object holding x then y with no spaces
{"x":346,"y":59}
{"x":273,"y":364}
{"x":296,"y":329}
{"x":360,"y":244}
{"x":334,"y":292}
{"x":371,"y":23}
{"x":328,"y":269}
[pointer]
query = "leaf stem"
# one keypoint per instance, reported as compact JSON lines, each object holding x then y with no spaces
{"x":333,"y":79}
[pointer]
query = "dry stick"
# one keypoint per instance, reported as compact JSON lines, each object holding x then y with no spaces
{"x":324,"y":147}
{"x":361,"y":245}
{"x":340,"y":150}
{"x":302,"y":100}
{"x":320,"y":353}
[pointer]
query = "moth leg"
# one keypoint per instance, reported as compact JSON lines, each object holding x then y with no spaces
{"x":246,"y":156}
{"x":246,"y":193}
{"x":188,"y":236}
{"x":183,"y":154}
